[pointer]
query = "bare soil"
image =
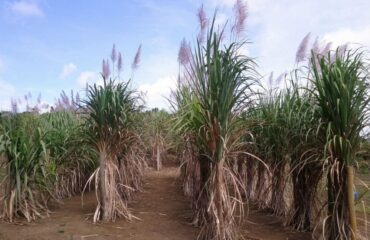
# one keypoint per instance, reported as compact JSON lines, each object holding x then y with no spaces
{"x":163,"y":211}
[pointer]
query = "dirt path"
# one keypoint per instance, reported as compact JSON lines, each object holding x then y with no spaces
{"x":162,"y":208}
{"x":163,"y":211}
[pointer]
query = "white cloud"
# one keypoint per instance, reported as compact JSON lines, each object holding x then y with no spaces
{"x":68,"y":69}
{"x":87,"y":77}
{"x":276,"y":28}
{"x":158,"y":92}
{"x":26,"y":8}
{"x":157,"y":75}
{"x":7,"y":92}
{"x":347,"y":35}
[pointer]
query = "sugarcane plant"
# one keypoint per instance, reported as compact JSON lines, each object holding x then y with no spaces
{"x":217,"y":90}
{"x":69,"y":149}
{"x":185,"y":125}
{"x":304,"y":156}
{"x":30,"y":172}
{"x":285,"y":127}
{"x":156,"y":136}
{"x":110,"y":127}
{"x":340,"y":81}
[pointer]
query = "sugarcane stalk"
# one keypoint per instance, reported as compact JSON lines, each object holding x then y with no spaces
{"x":159,"y":165}
{"x":103,"y":190}
{"x":351,"y":203}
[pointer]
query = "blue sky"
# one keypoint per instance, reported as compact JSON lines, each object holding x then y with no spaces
{"x":50,"y":45}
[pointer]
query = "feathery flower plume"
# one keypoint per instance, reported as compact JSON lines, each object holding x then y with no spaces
{"x":64,"y":99}
{"x":119,"y":63}
{"x":202,"y":23}
{"x":136,"y":62}
{"x":316,"y":48}
{"x":280,"y":78}
{"x":184,"y":53}
{"x":342,"y":50}
{"x":113,"y":55}
{"x":58,"y":102}
{"x":14,"y":105}
{"x":302,"y":49}
{"x":78,"y":99}
{"x":72,"y":97}
{"x":178,"y":80}
{"x":241,"y":13}
{"x":39,"y":98}
{"x":327,"y":48}
{"x":105,"y":69}
{"x":271,"y":79}
{"x":86,"y":89}
{"x":27,"y":97}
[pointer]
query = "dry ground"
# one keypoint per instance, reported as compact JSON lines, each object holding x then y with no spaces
{"x":162,"y":208}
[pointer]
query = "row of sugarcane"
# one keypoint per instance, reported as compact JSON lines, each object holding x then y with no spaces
{"x":289,"y":150}
{"x":76,"y":147}
{"x":309,"y":135}
{"x":41,"y":161}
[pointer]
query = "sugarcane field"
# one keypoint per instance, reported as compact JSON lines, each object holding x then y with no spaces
{"x":184,"y":120}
